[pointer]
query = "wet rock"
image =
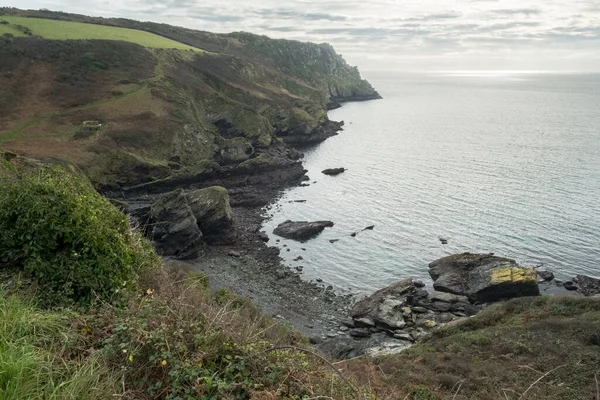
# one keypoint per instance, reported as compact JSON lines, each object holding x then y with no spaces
{"x":301,"y":230}
{"x":443,"y":240}
{"x":333,"y":240}
{"x":483,"y":277}
{"x":419,"y":310}
{"x":369,"y":228}
{"x":294,"y":154}
{"x":418,"y":284}
{"x":263,"y":236}
{"x":175,"y":230}
{"x":333,"y":171}
{"x":570,"y":285}
{"x":298,"y":258}
{"x":588,"y":286}
{"x":545,"y":276}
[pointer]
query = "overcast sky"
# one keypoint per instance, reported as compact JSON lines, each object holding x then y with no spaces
{"x":392,"y":34}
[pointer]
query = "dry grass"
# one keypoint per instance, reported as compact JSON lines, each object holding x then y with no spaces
{"x":534,"y":348}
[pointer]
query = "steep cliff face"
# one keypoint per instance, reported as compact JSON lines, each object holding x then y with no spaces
{"x":317,"y":64}
{"x":163,"y":113}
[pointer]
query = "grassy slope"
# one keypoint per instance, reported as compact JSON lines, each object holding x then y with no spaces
{"x":65,"y":30}
{"x":499,"y":354}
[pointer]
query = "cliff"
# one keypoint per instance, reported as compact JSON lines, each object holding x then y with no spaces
{"x":142,"y":110}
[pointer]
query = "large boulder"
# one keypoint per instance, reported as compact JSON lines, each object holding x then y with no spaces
{"x":483,"y":277}
{"x":175,"y":229}
{"x":587,"y":285}
{"x":213,"y":213}
{"x":301,"y":230}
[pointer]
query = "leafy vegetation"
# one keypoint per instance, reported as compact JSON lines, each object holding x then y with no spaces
{"x":59,"y":231}
{"x":66,"y":30}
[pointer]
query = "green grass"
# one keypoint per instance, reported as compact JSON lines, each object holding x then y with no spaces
{"x":32,"y":346}
{"x":65,"y":30}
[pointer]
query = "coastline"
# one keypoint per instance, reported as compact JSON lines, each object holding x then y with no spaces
{"x":251,"y":266}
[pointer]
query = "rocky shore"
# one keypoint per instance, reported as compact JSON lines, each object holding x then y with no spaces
{"x":210,"y":222}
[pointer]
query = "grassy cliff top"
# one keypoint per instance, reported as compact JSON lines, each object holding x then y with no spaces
{"x":66,"y":30}
{"x":129,"y":103}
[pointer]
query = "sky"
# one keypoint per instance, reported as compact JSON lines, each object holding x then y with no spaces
{"x":408,"y":35}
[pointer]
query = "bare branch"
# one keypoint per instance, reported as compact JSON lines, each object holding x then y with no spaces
{"x":539,"y":379}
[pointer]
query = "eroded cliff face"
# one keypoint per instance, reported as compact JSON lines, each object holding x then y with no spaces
{"x":161,"y":114}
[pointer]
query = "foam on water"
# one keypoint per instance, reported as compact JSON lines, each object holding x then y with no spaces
{"x":489,"y":162}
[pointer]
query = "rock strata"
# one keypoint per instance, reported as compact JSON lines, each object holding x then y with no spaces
{"x":213,"y":213}
{"x":483,"y":277}
{"x":175,"y":228}
{"x":301,"y":230}
{"x":182,"y":221}
{"x":404,"y":311}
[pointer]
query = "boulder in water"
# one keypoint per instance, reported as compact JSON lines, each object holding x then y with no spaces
{"x":333,"y":171}
{"x":483,"y":277}
{"x":301,"y":230}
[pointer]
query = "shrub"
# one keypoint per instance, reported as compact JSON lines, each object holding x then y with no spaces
{"x":63,"y":234}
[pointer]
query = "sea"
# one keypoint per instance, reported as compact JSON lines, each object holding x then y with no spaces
{"x":504,"y":162}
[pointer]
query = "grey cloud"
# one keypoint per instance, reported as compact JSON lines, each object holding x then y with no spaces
{"x":216,"y":17}
{"x":517,"y":11}
{"x":371,"y":32}
{"x":279,"y":28}
{"x":291,"y":14}
{"x":434,"y":17}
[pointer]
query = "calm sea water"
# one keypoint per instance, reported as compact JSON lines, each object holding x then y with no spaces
{"x":507,"y":163}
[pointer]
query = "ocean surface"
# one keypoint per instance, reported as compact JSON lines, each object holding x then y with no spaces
{"x":502,"y":162}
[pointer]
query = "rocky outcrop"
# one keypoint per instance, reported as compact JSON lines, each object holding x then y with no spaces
{"x":234,"y":151}
{"x":175,"y":229}
{"x":181,"y":222}
{"x":587,"y":285}
{"x":333,"y":171}
{"x":301,"y":230}
{"x":212,"y":211}
{"x":406,"y":311}
{"x":483,"y":277}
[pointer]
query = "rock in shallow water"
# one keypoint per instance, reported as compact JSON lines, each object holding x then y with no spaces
{"x":333,"y":171}
{"x":483,"y":277}
{"x":301,"y":230}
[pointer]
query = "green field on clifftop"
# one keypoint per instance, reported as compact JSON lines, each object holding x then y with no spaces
{"x":65,"y":30}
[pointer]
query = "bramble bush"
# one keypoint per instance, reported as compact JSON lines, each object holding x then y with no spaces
{"x":66,"y":237}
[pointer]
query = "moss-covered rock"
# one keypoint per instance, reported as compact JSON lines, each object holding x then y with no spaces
{"x":175,"y":229}
{"x":213,"y":213}
{"x":234,"y":151}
